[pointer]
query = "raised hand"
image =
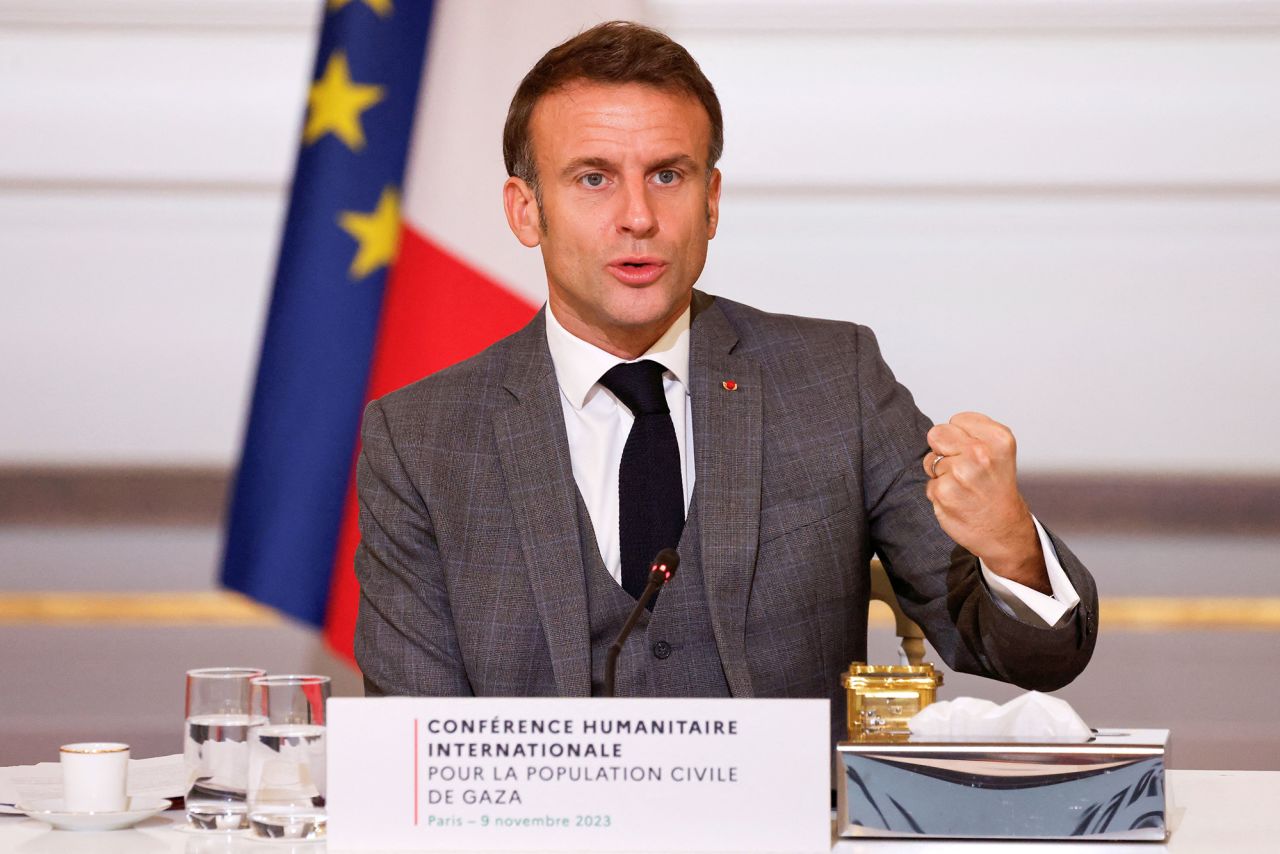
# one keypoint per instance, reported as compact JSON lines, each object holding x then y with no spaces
{"x":973,"y":487}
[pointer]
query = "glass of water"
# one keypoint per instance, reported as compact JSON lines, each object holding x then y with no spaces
{"x":216,"y":746}
{"x":287,"y":757}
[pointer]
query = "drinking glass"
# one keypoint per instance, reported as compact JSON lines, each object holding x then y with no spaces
{"x":287,"y":757}
{"x":216,"y":746}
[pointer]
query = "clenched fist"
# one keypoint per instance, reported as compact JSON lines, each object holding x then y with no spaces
{"x":973,"y":487}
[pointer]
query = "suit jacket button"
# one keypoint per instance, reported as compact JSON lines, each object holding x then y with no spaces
{"x":661,"y":649}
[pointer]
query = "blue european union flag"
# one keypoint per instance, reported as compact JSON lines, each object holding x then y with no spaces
{"x":339,"y":239}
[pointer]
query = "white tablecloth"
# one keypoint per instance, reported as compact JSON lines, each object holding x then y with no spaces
{"x":1210,"y":812}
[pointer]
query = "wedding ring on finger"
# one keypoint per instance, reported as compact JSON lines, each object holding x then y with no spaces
{"x":933,"y":465}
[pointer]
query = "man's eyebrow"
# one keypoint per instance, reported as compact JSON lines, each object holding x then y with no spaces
{"x":682,"y":160}
{"x":580,"y":163}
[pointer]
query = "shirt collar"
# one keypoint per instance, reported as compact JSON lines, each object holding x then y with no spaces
{"x":580,"y":365}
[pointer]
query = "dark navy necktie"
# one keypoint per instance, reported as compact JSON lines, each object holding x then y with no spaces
{"x":650,"y":491}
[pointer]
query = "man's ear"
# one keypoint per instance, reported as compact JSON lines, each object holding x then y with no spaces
{"x":521,"y":206}
{"x":713,"y":203}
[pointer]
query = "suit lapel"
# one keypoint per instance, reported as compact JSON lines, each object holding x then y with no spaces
{"x":727,"y":438}
{"x":534,"y":451}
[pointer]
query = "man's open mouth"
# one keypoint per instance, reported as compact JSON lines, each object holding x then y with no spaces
{"x":637,"y":271}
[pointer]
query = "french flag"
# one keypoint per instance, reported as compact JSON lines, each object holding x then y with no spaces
{"x":396,"y":261}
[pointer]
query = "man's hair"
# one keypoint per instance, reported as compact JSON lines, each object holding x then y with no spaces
{"x":613,"y":52}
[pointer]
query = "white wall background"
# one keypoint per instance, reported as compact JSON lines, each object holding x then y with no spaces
{"x":1066,"y":214}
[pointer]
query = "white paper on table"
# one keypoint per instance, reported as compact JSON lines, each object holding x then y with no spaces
{"x":156,"y":777}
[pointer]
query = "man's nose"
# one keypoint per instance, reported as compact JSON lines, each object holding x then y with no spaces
{"x":637,"y":217}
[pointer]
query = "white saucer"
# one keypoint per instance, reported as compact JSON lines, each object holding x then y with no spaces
{"x":51,"y":811}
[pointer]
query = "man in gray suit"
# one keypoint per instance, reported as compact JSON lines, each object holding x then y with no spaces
{"x":494,"y":495}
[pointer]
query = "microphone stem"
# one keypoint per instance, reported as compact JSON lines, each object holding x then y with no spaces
{"x":611,"y":660}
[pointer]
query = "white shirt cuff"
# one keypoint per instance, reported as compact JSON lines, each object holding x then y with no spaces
{"x":1021,"y":599}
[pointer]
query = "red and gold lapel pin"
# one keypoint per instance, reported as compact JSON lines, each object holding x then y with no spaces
{"x":729,"y":385}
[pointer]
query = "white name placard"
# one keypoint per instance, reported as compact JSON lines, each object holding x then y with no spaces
{"x":522,"y":774}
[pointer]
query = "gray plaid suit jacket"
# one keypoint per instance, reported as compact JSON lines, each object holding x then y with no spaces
{"x":470,"y":566}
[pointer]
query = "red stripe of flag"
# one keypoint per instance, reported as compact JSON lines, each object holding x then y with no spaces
{"x":437,"y":311}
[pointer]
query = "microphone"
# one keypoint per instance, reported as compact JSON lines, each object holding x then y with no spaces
{"x":660,"y":571}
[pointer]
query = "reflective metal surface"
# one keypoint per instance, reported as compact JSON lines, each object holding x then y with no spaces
{"x":1110,"y":787}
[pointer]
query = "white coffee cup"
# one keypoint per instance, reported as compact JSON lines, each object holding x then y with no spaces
{"x":94,"y":776}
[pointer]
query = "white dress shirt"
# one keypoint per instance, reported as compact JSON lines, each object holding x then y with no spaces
{"x":597,"y":424}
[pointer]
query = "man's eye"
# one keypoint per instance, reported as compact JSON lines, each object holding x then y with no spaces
{"x":668,"y":176}
{"x":593,"y":179}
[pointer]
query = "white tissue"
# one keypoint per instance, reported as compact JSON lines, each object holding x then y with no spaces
{"x":1032,"y":715}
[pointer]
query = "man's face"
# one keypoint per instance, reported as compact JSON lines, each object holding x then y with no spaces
{"x":627,"y":206}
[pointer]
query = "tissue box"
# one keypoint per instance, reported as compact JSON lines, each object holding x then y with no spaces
{"x":1109,"y":787}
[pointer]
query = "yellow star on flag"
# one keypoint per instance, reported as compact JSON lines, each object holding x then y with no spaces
{"x":377,"y":233}
{"x":382,"y":7}
{"x":335,"y":103}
